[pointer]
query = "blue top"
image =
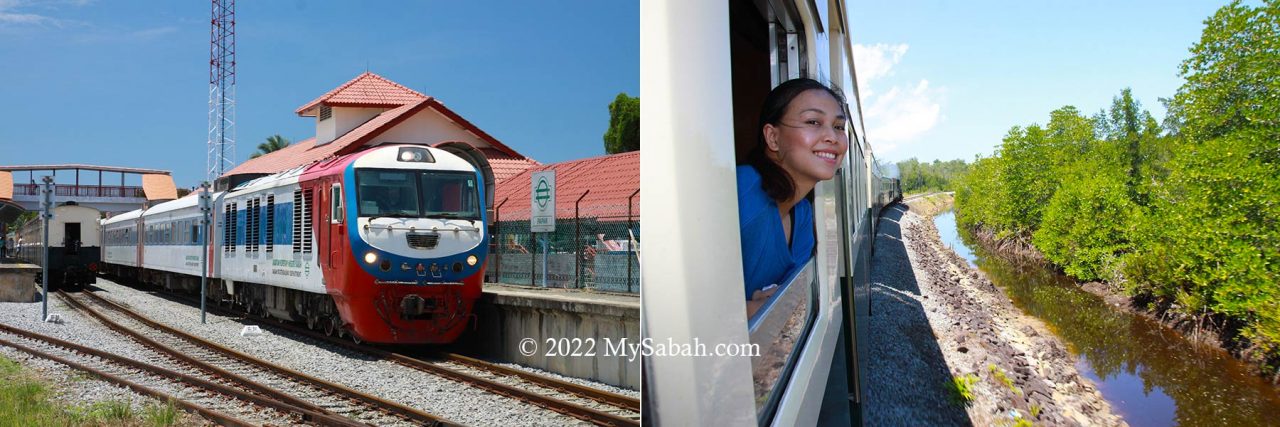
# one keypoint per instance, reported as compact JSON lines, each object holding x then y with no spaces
{"x":766,"y":259}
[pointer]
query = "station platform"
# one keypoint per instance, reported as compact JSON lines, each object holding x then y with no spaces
{"x":508,"y":317}
{"x":18,"y":281}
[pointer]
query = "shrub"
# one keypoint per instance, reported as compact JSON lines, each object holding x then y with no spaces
{"x":1085,"y":226}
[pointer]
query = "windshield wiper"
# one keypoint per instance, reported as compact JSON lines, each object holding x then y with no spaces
{"x":391,"y":215}
{"x":448,"y":215}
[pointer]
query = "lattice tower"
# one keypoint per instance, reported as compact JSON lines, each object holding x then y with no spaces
{"x":222,"y":89}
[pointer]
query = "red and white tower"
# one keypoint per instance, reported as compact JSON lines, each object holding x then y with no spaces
{"x":222,"y":89}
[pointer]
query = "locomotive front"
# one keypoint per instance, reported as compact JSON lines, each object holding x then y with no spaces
{"x":420,"y":241}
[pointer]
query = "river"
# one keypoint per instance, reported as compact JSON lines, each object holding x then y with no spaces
{"x":1150,"y":374}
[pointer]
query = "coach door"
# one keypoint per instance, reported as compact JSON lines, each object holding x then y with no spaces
{"x":337,"y":220}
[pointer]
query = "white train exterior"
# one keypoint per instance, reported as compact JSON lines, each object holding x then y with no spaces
{"x":315,"y":244}
{"x":708,"y":68}
{"x":74,"y":246}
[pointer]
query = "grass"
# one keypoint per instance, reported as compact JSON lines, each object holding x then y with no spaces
{"x":961,"y":387}
{"x":26,"y":401}
{"x":1004,"y":379}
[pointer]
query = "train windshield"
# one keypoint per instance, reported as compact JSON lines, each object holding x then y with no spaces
{"x":417,"y":194}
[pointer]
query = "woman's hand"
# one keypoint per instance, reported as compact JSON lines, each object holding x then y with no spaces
{"x":758,"y":298}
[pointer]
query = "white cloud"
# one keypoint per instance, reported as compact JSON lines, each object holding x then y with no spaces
{"x":877,"y":60}
{"x":24,"y":18}
{"x":10,"y":17}
{"x":903,"y":112}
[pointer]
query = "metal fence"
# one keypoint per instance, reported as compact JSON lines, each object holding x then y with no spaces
{"x":585,"y":252}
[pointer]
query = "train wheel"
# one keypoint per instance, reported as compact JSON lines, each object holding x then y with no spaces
{"x":312,"y":322}
{"x":355,"y":338}
{"x":330,"y":326}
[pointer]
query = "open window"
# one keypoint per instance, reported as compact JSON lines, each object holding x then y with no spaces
{"x":766,"y":49}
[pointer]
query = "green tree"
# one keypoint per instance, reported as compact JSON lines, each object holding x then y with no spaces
{"x":1212,"y":241}
{"x":917,"y":176}
{"x":274,"y":143}
{"x":1127,"y":124}
{"x":624,"y":125}
{"x":1233,"y":75}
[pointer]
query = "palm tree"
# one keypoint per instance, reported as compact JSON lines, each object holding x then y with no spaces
{"x":274,"y":142}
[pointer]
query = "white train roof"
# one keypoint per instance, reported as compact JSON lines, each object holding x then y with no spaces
{"x":270,"y":181}
{"x":127,"y":216}
{"x":384,"y":157}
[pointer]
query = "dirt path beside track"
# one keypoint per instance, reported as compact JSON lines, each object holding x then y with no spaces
{"x":934,"y":319}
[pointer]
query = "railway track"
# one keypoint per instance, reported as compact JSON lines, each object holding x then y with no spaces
{"x":329,"y":403}
{"x":585,"y":403}
{"x":118,"y":370}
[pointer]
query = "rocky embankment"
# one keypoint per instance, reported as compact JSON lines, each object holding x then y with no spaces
{"x":941,"y":330}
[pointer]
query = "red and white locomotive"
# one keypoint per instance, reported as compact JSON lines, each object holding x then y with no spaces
{"x":387,"y":244}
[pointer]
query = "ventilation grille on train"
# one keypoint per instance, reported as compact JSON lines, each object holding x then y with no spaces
{"x":423,"y":241}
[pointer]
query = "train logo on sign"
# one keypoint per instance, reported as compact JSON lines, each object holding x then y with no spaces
{"x":542,"y":193}
{"x":542,"y":203}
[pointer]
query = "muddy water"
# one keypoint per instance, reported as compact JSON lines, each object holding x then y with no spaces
{"x":1150,"y":374}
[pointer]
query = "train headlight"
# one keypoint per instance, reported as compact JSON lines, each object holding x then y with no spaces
{"x":415,"y":154}
{"x":370,"y":257}
{"x":472,"y":260}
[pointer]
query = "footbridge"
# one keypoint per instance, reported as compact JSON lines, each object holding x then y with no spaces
{"x":87,"y":185}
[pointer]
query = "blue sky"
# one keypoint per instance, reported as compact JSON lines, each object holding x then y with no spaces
{"x":125,"y":83}
{"x":947,"y":79}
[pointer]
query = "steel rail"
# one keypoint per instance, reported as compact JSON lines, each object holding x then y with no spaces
{"x":551,"y":403}
{"x":565,"y":386}
{"x":305,"y":414}
{"x":214,"y":415}
{"x":338,"y":389}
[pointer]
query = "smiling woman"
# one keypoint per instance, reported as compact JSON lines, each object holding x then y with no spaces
{"x":802,"y":140}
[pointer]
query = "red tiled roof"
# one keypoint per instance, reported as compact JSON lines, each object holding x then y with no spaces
{"x":6,"y":185}
{"x":611,"y":180}
{"x":159,"y":187}
{"x":372,"y":90}
{"x":366,"y":90}
{"x":305,"y":152}
{"x":505,"y":165}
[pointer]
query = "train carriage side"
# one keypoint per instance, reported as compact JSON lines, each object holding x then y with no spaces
{"x":121,"y":242}
{"x":810,"y":333}
{"x":171,"y":244}
{"x":268,"y":253}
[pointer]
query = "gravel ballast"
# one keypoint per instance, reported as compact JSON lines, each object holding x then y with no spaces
{"x":935,"y":318}
{"x":450,"y":400}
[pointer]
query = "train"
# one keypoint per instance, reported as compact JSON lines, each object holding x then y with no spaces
{"x":385,"y":245}
{"x":74,"y":245}
{"x":800,"y":359}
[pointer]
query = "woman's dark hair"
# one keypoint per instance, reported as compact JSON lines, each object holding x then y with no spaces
{"x":776,"y":182}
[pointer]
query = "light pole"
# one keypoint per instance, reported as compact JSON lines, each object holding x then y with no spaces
{"x":46,"y":205}
{"x":204,"y":245}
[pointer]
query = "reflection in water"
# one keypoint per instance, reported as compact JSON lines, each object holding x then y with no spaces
{"x":946,"y":223}
{"x":1149,"y":373}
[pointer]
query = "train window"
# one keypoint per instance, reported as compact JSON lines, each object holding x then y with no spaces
{"x":271,"y":222}
{"x":335,"y":204}
{"x":778,"y":328}
{"x":767,"y":48}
